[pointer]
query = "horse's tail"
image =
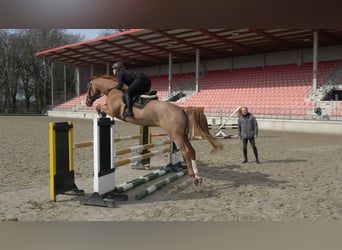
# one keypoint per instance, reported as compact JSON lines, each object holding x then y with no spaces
{"x":198,"y":122}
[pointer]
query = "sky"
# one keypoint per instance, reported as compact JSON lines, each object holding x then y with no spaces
{"x":87,"y":33}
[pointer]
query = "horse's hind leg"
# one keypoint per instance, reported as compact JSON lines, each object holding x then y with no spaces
{"x":191,"y":162}
{"x":189,"y":156}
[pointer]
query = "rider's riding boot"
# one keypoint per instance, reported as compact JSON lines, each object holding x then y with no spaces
{"x":129,"y":106}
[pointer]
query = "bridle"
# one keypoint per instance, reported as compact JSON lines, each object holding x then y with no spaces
{"x":90,"y":95}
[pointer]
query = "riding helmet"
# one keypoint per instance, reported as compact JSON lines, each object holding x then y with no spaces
{"x":118,"y":65}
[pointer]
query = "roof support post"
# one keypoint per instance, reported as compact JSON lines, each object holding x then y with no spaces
{"x":77,"y":78}
{"x":170,"y":75}
{"x":197,"y":68}
{"x":91,"y":70}
{"x":108,"y":69}
{"x":65,"y":82}
{"x":315,"y":64}
{"x":52,"y":83}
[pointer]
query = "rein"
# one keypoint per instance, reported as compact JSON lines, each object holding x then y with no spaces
{"x":107,"y":91}
{"x":91,"y":97}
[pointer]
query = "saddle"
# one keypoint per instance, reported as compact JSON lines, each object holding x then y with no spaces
{"x":140,"y":101}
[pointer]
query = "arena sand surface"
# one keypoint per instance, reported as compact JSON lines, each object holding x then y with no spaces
{"x":299,"y":179}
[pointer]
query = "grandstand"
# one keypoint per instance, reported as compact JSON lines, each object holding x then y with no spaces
{"x":282,"y":75}
{"x":272,"y":91}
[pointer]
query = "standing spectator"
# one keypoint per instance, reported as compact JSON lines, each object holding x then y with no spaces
{"x":248,"y":131}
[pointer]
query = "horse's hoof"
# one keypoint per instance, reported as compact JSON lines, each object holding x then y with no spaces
{"x":198,"y":181}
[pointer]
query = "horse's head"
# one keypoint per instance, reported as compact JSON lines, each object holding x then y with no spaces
{"x":101,"y":86}
{"x":92,"y":93}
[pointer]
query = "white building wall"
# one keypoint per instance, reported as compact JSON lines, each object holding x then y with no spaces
{"x":283,"y":57}
{"x":248,"y":61}
{"x":324,"y":53}
{"x":219,"y":64}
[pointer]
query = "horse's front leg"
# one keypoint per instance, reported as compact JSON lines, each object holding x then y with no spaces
{"x":103,"y":110}
{"x":98,"y":108}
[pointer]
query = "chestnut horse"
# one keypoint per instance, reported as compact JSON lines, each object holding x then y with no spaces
{"x":174,"y":120}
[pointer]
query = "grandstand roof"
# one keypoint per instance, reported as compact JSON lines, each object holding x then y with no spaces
{"x":146,"y":47}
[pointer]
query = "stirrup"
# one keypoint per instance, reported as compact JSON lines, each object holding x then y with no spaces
{"x":128,"y":114}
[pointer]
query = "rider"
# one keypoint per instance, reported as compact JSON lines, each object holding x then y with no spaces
{"x":138,"y":83}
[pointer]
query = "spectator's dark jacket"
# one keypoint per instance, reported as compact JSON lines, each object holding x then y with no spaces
{"x":247,"y":126}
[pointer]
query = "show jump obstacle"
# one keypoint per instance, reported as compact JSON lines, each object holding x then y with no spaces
{"x":62,"y":177}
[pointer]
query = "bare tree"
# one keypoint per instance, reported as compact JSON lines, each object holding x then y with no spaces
{"x":11,"y":68}
{"x":23,"y":75}
{"x":3,"y":39}
{"x":41,"y":69}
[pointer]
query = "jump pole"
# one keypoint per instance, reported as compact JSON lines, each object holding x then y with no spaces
{"x":142,"y":179}
{"x":173,"y":165}
{"x":141,"y":147}
{"x":174,"y":162}
{"x":85,"y":144}
{"x":149,"y":190}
